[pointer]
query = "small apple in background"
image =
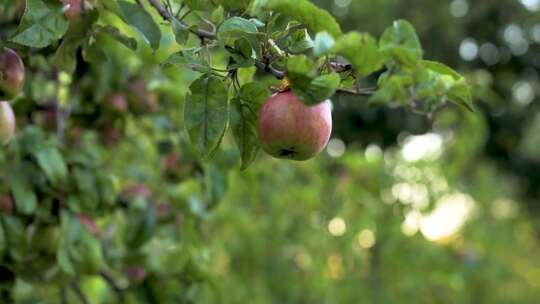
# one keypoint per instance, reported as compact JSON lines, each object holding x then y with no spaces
{"x":6,"y":204}
{"x":289,"y":129}
{"x":110,"y":136}
{"x":117,"y":102}
{"x":89,"y":224}
{"x":11,"y":74}
{"x":7,"y":123}
{"x":74,"y":10}
{"x":141,"y":100}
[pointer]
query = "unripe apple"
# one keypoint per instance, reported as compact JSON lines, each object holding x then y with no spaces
{"x":7,"y":122}
{"x":12,"y":74}
{"x":290,"y":129}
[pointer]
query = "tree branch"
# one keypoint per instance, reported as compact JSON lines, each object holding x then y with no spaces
{"x":267,"y":67}
{"x":203,"y":34}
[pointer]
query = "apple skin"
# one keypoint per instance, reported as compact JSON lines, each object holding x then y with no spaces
{"x":12,"y":74}
{"x":140,"y":99}
{"x":289,"y":129}
{"x":117,"y":102}
{"x":74,"y":10}
{"x":7,"y":123}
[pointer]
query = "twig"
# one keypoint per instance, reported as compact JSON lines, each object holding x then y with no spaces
{"x":117,"y":289}
{"x":77,"y":289}
{"x":365,"y":92}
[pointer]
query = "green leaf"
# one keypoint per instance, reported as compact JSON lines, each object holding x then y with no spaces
{"x":188,"y":59}
{"x":457,"y":91}
{"x":206,"y":114}
{"x":401,"y":43}
{"x":233,"y":5}
{"x":323,"y":42}
{"x":310,"y":88}
{"x":114,"y":33}
{"x":299,"y":41}
{"x":199,"y":5}
{"x":244,"y":113}
{"x":43,"y":22}
{"x":361,"y":51}
{"x":305,"y":12}
{"x":320,"y":89}
{"x":236,"y":27}
{"x":53,"y":165}
{"x":22,"y":188}
{"x":65,"y":56}
{"x":181,"y":32}
{"x":141,"y":21}
{"x":242,"y":53}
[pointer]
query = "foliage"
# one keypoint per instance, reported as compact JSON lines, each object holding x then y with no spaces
{"x":140,"y":199}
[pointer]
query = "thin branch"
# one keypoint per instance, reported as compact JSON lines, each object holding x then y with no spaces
{"x":365,"y":92}
{"x":117,"y":289}
{"x":77,"y":289}
{"x":167,"y":16}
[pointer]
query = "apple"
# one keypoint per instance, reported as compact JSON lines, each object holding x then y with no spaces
{"x":89,"y":224}
{"x":74,"y":10}
{"x":289,"y":129}
{"x":110,"y":136}
{"x":141,"y":100}
{"x":7,"y":122}
{"x":117,"y":102}
{"x":6,"y":204}
{"x":11,"y":74}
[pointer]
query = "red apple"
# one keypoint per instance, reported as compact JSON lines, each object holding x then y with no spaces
{"x":12,"y":74}
{"x":6,"y":204}
{"x":290,"y":129}
{"x":141,"y":100}
{"x":74,"y":10}
{"x":7,"y":122}
{"x":89,"y":223}
{"x":117,"y":102}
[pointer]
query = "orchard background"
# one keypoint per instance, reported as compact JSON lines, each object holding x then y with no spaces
{"x":135,"y":173}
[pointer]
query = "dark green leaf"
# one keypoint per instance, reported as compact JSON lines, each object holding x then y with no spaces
{"x":244,"y":113}
{"x":43,"y":22}
{"x":22,"y":188}
{"x":206,"y":114}
{"x":141,"y":21}
{"x":118,"y":36}
{"x":52,"y":163}
{"x":181,"y":32}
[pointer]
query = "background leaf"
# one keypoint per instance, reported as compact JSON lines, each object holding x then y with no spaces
{"x":43,"y":22}
{"x":206,"y":114}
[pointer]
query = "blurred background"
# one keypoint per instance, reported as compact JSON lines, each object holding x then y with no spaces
{"x":404,"y":208}
{"x":399,"y":208}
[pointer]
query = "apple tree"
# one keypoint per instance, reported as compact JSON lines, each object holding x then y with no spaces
{"x":113,"y":114}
